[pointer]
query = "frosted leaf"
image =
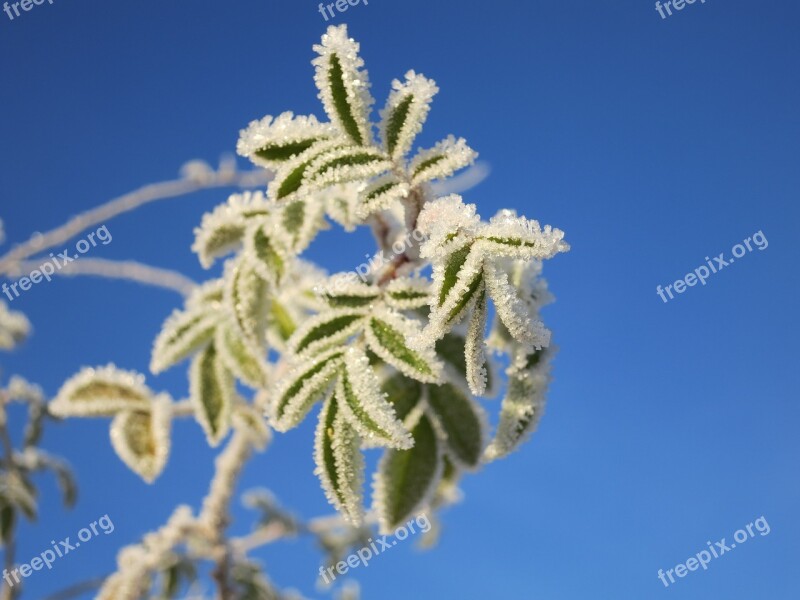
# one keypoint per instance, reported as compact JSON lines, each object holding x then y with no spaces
{"x":393,"y":337}
{"x":18,"y":492}
{"x":293,"y":302}
{"x":339,"y":462}
{"x":512,"y":310}
{"x":517,"y":237}
{"x":265,"y":253}
{"x":457,"y":285}
{"x":407,"y":479}
{"x":380,"y":194}
{"x":142,"y":438}
{"x":404,"y":394}
{"x":405,"y":113}
{"x":448,"y":224}
{"x":462,"y":422}
{"x":341,"y":204}
{"x":441,"y":161}
{"x":342,"y":165}
{"x":361,"y":401}
{"x":182,"y":334}
{"x":212,"y":393}
{"x":14,"y":327}
{"x":526,"y":276}
{"x":346,"y":290}
{"x":270,"y":141}
{"x":101,"y":392}
{"x":407,"y":293}
{"x":248,"y":419}
{"x":296,"y":224}
{"x":247,"y":299}
{"x":329,"y":328}
{"x":22,"y":390}
{"x":305,"y":381}
{"x":290,"y":182}
{"x":474,"y":348}
{"x":207,"y":295}
{"x":221,"y":230}
{"x":343,"y":84}
{"x":242,"y":357}
{"x":523,"y":404}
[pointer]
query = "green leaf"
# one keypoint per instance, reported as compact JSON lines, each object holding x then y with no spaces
{"x":441,"y":161}
{"x":380,"y":194}
{"x":101,"y":392}
{"x":452,"y":349}
{"x":280,"y":152}
{"x":182,"y":334}
{"x":292,"y":180}
{"x":390,"y":335}
{"x":342,"y":165}
{"x":265,"y":255}
{"x":281,"y":320}
{"x":428,"y":163}
{"x":212,"y":394}
{"x":363,"y":404}
{"x":293,"y":173}
{"x":474,"y":349}
{"x":406,"y":478}
{"x":461,"y":421}
{"x":326,"y":329}
{"x":463,"y":303}
{"x":141,"y":440}
{"x":522,"y":406}
{"x":248,"y":300}
{"x":407,"y":293}
{"x":223,"y":239}
{"x":403,"y":393}
{"x":241,"y":357}
{"x":451,"y":271}
{"x":396,"y":121}
{"x":340,"y":464}
{"x":338,"y":91}
{"x":306,"y":381}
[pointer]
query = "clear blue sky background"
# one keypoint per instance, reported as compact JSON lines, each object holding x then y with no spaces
{"x":653,"y":143}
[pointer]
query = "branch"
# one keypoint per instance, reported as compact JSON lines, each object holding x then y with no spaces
{"x":129,"y":270}
{"x":197,"y":179}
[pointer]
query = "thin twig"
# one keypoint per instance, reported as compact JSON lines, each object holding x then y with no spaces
{"x":127,"y":202}
{"x":129,"y":270}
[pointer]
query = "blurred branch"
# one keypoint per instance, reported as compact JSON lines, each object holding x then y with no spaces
{"x":196,"y":178}
{"x":129,"y":270}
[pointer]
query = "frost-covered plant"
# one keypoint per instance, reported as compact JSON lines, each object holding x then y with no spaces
{"x":393,"y":359}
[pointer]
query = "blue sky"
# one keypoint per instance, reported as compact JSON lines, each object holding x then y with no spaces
{"x":652,"y":142}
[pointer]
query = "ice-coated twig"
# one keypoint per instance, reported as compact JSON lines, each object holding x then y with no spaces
{"x":194,"y":179}
{"x":129,"y":270}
